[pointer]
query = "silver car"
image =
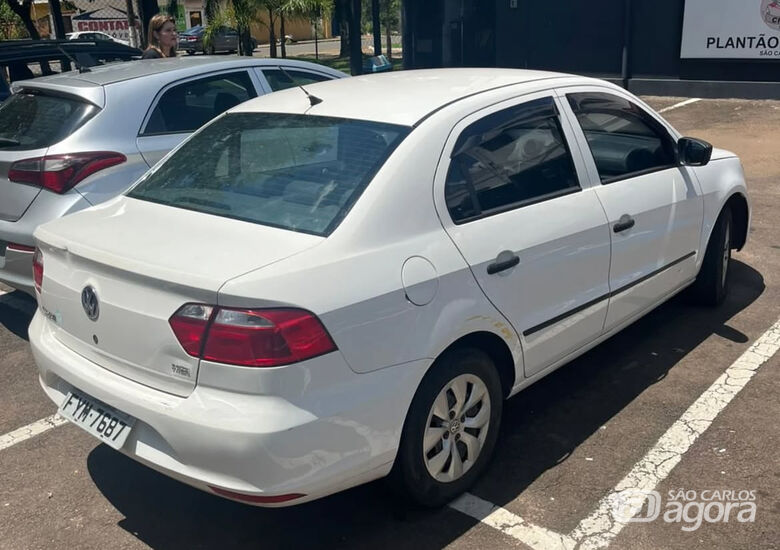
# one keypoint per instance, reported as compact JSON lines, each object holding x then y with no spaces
{"x":74,"y":139}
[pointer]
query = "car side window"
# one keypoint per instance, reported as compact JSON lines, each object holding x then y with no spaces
{"x":289,"y":78}
{"x":509,"y":159}
{"x":188,"y":106}
{"x":623,"y":138}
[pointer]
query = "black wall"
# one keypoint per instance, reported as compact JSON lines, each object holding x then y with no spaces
{"x":587,"y":37}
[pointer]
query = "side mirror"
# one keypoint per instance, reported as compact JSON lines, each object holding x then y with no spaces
{"x":693,"y":152}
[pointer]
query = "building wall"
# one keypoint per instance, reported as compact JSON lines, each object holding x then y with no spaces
{"x":585,"y":37}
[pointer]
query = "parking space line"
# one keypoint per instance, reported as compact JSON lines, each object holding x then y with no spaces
{"x":603,"y":525}
{"x":31,"y":430}
{"x":535,"y":536}
{"x":681,"y":104}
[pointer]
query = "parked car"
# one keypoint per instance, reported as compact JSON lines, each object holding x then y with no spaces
{"x":313,"y":292}
{"x":225,"y":40}
{"x":76,"y":139}
{"x":95,"y":35}
{"x":26,"y":59}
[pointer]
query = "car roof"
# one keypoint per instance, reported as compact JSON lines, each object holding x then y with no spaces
{"x":176,"y":67}
{"x":402,"y":97}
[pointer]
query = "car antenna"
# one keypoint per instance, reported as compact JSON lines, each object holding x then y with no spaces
{"x":313,"y":99}
{"x":81,"y":68}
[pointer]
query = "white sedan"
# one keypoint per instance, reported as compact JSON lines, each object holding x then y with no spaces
{"x":328,"y":285}
{"x":95,"y":35}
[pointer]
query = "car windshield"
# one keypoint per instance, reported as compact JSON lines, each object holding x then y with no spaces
{"x":296,"y":172}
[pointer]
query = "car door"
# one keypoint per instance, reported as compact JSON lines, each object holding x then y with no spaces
{"x":517,"y":202}
{"x":184,"y":106}
{"x":653,"y":203}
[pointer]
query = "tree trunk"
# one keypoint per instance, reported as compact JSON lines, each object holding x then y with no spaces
{"x":271,"y":33}
{"x":355,"y":45}
{"x":23,"y":11}
{"x":376,"y":27}
{"x":342,"y":16}
{"x":284,"y":37}
{"x":389,"y":42}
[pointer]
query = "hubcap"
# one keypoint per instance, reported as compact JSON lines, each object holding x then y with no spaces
{"x":726,"y":254}
{"x":456,"y":429}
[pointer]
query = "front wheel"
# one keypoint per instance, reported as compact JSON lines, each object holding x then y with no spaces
{"x":711,"y":285}
{"x":451,"y":428}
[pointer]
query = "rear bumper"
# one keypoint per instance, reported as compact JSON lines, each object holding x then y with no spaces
{"x":324,"y":429}
{"x":16,"y":270}
{"x":16,"y":266}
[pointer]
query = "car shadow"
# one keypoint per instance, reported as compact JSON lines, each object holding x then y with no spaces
{"x":16,"y":311}
{"x":552,"y":417}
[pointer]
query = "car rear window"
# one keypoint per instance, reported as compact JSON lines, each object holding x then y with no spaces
{"x":33,"y":120}
{"x":296,"y":172}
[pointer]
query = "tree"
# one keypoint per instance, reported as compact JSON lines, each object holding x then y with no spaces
{"x":11,"y":26}
{"x":390,"y":19}
{"x":22,"y":11}
{"x":299,"y":9}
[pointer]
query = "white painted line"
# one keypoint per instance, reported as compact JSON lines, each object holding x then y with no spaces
{"x":602,"y":526}
{"x":31,"y":430}
{"x":512,"y":525}
{"x":681,"y":104}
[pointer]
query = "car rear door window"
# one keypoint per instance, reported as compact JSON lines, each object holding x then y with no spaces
{"x":623,"y":138}
{"x":508,"y":159}
{"x":34,"y":120}
{"x":289,"y":78}
{"x":188,"y":106}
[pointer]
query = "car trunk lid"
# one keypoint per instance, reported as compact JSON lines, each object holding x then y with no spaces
{"x":143,"y":261}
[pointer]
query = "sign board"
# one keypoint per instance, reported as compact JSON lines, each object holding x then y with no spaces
{"x":731,"y":29}
{"x":109,"y":20}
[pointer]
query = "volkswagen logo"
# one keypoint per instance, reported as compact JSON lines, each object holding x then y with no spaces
{"x":89,"y":301}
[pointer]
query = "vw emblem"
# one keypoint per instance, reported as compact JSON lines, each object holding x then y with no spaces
{"x":89,"y":301}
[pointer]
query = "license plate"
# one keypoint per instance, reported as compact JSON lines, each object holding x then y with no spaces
{"x":104,"y":422}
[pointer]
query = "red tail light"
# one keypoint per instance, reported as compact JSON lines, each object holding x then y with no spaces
{"x":59,"y":173}
{"x":250,"y":337}
{"x":38,"y":270}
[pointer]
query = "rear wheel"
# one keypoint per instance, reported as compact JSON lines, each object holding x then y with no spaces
{"x":451,"y":428}
{"x":711,"y":285}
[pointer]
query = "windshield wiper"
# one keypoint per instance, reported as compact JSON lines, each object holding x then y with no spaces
{"x":6,"y":142}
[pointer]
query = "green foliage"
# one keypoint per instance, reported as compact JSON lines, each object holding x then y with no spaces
{"x":11,"y":26}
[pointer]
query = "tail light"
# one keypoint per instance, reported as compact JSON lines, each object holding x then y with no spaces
{"x":59,"y":173}
{"x":38,"y":269}
{"x":250,"y":337}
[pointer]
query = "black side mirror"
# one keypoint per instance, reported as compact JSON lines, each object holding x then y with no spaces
{"x":693,"y":152}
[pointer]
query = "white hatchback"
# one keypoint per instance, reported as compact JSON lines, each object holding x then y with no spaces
{"x":326,"y":286}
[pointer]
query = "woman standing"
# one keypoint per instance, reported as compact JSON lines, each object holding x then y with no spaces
{"x":162,"y":37}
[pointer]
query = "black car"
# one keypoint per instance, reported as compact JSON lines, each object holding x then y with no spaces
{"x":25,"y":59}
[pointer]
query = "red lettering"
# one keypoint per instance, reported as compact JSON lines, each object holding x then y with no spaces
{"x":82,"y":26}
{"x":93,"y":26}
{"x":103,"y":25}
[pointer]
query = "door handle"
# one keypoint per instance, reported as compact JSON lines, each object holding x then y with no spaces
{"x":505,"y":260}
{"x":625,"y":222}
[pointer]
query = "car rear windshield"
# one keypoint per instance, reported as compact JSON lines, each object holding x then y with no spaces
{"x":33,"y":120}
{"x":296,"y":172}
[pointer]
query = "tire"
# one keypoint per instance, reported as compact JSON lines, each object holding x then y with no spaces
{"x":414,"y":472}
{"x":711,"y":285}
{"x":190,"y":52}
